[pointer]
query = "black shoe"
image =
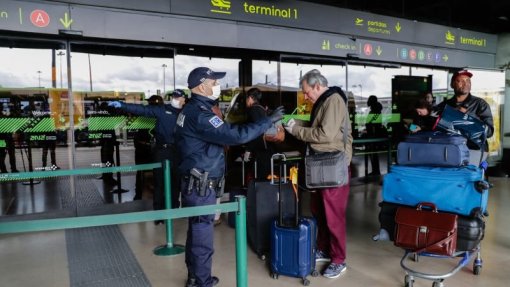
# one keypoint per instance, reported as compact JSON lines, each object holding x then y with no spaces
{"x":137,"y":197}
{"x":191,"y":282}
{"x":14,"y":170}
{"x":158,"y":222}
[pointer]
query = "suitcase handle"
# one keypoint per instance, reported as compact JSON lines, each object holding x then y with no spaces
{"x":427,"y":204}
{"x":283,"y":159}
{"x":283,"y":170}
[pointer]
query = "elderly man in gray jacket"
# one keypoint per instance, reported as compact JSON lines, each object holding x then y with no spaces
{"x":325,"y":133}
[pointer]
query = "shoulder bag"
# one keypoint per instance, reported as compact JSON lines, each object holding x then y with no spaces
{"x":330,"y":169}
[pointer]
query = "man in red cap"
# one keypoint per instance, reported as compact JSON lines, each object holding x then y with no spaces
{"x":465,"y":102}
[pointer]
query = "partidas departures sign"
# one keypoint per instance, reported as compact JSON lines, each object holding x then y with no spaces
{"x":304,"y":15}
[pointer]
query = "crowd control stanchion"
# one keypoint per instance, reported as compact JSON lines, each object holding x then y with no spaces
{"x":119,"y":190}
{"x":241,"y":245}
{"x":169,"y":249}
{"x":31,"y":181}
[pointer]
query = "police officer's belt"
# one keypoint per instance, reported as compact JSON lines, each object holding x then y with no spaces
{"x":211,"y":182}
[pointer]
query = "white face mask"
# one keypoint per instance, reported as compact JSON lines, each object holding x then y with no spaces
{"x":216,"y":92}
{"x":176,"y":103}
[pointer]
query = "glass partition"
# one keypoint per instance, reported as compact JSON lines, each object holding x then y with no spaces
{"x":33,"y":136}
{"x":106,"y":136}
{"x":291,"y":71}
{"x":440,"y":82}
{"x":366,"y":81}
{"x":229,"y":84}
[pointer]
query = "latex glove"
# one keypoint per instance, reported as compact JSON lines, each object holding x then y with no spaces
{"x":277,"y":114}
{"x":246,"y":156}
{"x":115,"y":104}
{"x":290,"y":124}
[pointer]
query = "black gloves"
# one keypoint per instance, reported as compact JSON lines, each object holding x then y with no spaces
{"x":277,"y":114}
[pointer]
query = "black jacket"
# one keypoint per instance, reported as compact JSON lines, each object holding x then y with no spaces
{"x":476,"y":107}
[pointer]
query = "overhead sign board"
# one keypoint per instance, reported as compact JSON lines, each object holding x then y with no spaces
{"x":34,"y":17}
{"x":367,"y":36}
{"x":305,"y":15}
{"x":327,"y":44}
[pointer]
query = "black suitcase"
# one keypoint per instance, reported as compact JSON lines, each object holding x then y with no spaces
{"x":262,"y":209}
{"x":387,"y":217}
{"x":470,"y":231}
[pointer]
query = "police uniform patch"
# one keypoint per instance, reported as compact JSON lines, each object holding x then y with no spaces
{"x":180,"y":120}
{"x":215,"y":121}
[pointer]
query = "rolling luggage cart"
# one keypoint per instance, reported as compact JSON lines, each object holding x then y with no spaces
{"x":469,"y":204}
{"x":438,"y":279}
{"x":465,"y":255}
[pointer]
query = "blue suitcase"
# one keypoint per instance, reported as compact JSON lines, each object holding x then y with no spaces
{"x":293,"y":249}
{"x":293,"y":245}
{"x":460,"y":190}
{"x":433,"y":149}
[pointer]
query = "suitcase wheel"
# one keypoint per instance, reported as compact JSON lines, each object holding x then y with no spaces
{"x":408,"y":281}
{"x":306,"y":282}
{"x":481,"y":186}
{"x":315,"y":273}
{"x":477,"y":266}
{"x":274,"y":276}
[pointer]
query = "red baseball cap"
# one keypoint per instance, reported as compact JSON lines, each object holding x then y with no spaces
{"x":462,"y":73}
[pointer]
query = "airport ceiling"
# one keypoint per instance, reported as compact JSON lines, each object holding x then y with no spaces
{"x":489,"y":16}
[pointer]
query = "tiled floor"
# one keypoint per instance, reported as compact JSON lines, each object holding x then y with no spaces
{"x":40,"y":259}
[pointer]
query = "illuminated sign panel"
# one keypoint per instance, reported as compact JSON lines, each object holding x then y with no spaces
{"x":284,"y":26}
{"x":305,"y":15}
{"x":32,"y":17}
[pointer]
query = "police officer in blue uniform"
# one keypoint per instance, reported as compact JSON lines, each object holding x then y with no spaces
{"x":200,"y":138}
{"x":166,"y":116}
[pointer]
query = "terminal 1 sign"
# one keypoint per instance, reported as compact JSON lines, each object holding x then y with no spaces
{"x":282,"y":26}
{"x":306,"y":15}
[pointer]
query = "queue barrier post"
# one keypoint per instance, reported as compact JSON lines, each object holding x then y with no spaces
{"x":241,"y":243}
{"x":168,"y":249}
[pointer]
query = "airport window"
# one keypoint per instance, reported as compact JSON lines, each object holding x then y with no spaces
{"x":366,"y":81}
{"x":33,"y":137}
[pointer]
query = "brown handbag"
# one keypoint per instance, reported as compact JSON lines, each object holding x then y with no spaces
{"x":428,"y":231}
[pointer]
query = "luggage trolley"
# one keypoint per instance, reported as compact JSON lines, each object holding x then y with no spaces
{"x":468,"y":199}
{"x":438,"y":279}
{"x":465,"y":255}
